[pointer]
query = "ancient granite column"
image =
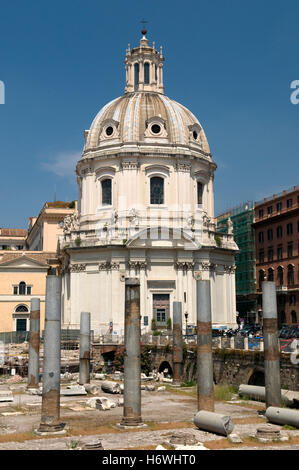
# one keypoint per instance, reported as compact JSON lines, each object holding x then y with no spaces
{"x":177,"y":344}
{"x":132,"y":366}
{"x":34,"y":344}
{"x":50,"y":416}
{"x":205,"y":385}
{"x":271,"y":350}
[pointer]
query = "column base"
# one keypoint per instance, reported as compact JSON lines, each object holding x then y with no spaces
{"x":46,"y":429}
{"x":131,"y":426}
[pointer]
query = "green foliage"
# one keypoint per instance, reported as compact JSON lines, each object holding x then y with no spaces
{"x":169,"y":324}
{"x":157,"y":333}
{"x":218,"y":240}
{"x":72,"y":205}
{"x":154,"y":324}
{"x":78,"y":241}
{"x":184,"y":351}
{"x":188,"y":383}
{"x":146,"y":359}
{"x":224,"y":392}
{"x":119,"y":360}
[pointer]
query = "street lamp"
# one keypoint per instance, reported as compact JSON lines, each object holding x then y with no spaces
{"x":186,"y":317}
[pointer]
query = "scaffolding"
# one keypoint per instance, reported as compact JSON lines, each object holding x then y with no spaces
{"x":242,"y":218}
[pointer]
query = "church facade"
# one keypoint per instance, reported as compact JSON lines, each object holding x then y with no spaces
{"x":146,"y":210}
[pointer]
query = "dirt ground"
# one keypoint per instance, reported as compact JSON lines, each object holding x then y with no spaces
{"x":167,"y":413}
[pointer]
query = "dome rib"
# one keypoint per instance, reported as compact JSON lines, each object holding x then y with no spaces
{"x":133,"y":110}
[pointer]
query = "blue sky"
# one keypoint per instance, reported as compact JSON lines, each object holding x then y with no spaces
{"x":231,"y":62}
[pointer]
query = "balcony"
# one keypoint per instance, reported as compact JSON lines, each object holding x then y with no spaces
{"x":282,"y":289}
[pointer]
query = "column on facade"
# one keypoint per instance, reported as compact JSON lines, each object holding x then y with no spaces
{"x":180,"y":281}
{"x":190,"y":281}
{"x":211,"y":198}
{"x":143,"y":290}
{"x":141,"y":75}
{"x":89,"y":193}
{"x":115,"y":314}
{"x":77,"y":270}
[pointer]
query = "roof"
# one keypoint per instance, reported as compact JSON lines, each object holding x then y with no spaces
{"x":132,"y":115}
{"x":13,"y":232}
{"x":40,"y":257}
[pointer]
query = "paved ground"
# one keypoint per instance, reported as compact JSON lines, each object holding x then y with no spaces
{"x":166,"y":413}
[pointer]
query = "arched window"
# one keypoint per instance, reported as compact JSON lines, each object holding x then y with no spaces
{"x":22,"y":309}
{"x":261,"y":277}
{"x":271,"y":274}
{"x":22,"y":288}
{"x":106,"y":192}
{"x":199,"y":192}
{"x":290,"y":275}
{"x":280,"y":275}
{"x":282,"y":318}
{"x":294,"y":317}
{"x":136,"y":75}
{"x":279,"y":232}
{"x":146,"y":73}
{"x":157,"y":190}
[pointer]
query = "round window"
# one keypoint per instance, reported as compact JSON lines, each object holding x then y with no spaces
{"x":109,"y":131}
{"x":195,"y":135}
{"x":156,"y":128}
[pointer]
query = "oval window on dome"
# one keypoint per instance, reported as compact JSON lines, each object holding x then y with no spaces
{"x":195,"y":135}
{"x":109,"y":131}
{"x":156,"y":129}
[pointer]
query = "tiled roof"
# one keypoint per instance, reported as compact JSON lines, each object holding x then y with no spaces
{"x":13,"y":232}
{"x":41,"y":257}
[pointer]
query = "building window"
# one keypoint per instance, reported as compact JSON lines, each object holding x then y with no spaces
{"x":261,"y":237}
{"x":269,"y":210}
{"x":290,"y":251}
{"x":199,"y":192}
{"x":279,"y":232}
{"x":278,"y":206}
{"x":282,"y":316}
{"x":21,"y":324}
{"x":289,"y":203}
{"x":290,"y":275}
{"x":261,"y":213}
{"x":22,"y":289}
{"x":106,"y":192}
{"x":261,"y":277}
{"x":270,"y":234}
{"x":161,"y":315}
{"x":292,"y":299}
{"x":22,"y":309}
{"x":146,"y":73}
{"x":271,"y":274}
{"x":280,"y":275}
{"x":279,"y":252}
{"x":289,"y":229}
{"x":270,"y":255}
{"x":294,"y":317}
{"x":136,"y":75}
{"x":262,"y":257}
{"x":157,"y":190}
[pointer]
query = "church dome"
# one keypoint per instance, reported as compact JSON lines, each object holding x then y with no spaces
{"x":144,"y":115}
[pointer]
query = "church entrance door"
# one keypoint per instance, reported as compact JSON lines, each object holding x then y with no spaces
{"x":161,"y":309}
